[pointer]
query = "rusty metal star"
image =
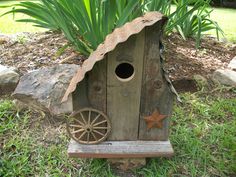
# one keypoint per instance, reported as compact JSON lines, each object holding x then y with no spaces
{"x":155,"y":120}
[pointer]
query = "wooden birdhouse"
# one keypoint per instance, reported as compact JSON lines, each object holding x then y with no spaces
{"x":122,"y":95}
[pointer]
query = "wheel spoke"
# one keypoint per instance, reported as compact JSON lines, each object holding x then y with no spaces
{"x":88,"y":137}
{"x":89,"y":116}
{"x":77,"y":131}
{"x":100,"y":128}
{"x":98,"y":132}
{"x":96,"y":118}
{"x":100,"y":123}
{"x":81,"y":123}
{"x":76,"y":126}
{"x":94,"y":136}
{"x":81,"y":136}
{"x":82,"y":116}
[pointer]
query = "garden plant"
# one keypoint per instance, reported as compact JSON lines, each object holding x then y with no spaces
{"x":86,"y":23}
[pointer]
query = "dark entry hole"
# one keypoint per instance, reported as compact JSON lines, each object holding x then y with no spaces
{"x":124,"y":71}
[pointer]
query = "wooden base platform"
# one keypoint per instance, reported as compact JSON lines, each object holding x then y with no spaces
{"x":121,"y":149}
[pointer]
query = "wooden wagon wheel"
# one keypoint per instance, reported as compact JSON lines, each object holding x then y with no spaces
{"x":88,"y":126}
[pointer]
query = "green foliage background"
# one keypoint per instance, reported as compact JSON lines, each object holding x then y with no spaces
{"x":86,"y":23}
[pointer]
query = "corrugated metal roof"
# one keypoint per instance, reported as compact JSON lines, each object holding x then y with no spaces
{"x":119,"y":35}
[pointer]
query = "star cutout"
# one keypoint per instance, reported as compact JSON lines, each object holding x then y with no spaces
{"x":155,"y":120}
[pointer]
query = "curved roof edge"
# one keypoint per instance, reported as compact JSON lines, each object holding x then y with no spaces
{"x":119,"y":35}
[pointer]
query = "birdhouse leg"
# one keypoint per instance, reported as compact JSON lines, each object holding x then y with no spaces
{"x":125,"y":164}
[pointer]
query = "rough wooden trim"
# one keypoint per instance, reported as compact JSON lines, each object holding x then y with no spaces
{"x":121,"y":149}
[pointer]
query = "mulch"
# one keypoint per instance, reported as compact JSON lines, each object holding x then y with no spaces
{"x":29,"y":51}
{"x":183,"y":60}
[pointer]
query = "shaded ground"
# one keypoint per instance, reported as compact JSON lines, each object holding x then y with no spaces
{"x":184,"y":61}
{"x":28,"y":52}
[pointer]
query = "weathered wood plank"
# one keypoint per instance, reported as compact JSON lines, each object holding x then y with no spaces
{"x":97,"y":91}
{"x":123,"y":98}
{"x":121,"y":149}
{"x":97,"y":82}
{"x":155,"y":91}
{"x":80,"y":96}
{"x":91,"y":92}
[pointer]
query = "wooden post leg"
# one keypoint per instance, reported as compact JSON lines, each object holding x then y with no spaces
{"x":127,"y":164}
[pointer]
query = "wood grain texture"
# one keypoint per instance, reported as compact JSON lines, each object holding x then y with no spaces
{"x":97,"y":82}
{"x":91,"y":92}
{"x":155,"y":91}
{"x":121,"y":149}
{"x":123,"y":98}
{"x":80,"y":96}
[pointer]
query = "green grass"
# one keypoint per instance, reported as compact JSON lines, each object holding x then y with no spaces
{"x":203,"y":135}
{"x":9,"y":26}
{"x":226,"y":20}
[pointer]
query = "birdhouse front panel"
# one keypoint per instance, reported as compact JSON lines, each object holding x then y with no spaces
{"x":124,"y":80}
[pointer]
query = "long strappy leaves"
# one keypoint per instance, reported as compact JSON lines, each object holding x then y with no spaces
{"x":86,"y":23}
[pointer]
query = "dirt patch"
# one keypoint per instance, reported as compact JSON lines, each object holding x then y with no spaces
{"x":32,"y":51}
{"x":183,"y":60}
{"x":29,"y":51}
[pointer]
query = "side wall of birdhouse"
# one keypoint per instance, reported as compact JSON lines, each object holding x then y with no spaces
{"x":156,"y":95}
{"x":92,"y":91}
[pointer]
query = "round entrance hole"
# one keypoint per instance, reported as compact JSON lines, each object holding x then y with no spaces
{"x":124,"y":72}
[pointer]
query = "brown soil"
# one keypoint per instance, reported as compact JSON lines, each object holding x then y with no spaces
{"x":183,"y":60}
{"x":31,"y":51}
{"x":28,"y":52}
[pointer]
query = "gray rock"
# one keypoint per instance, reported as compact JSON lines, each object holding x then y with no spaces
{"x":232,"y":64}
{"x":8,"y":80}
{"x":225,"y":77}
{"x":43,"y":89}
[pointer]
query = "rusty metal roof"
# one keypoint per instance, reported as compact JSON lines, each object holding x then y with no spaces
{"x":119,"y":35}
